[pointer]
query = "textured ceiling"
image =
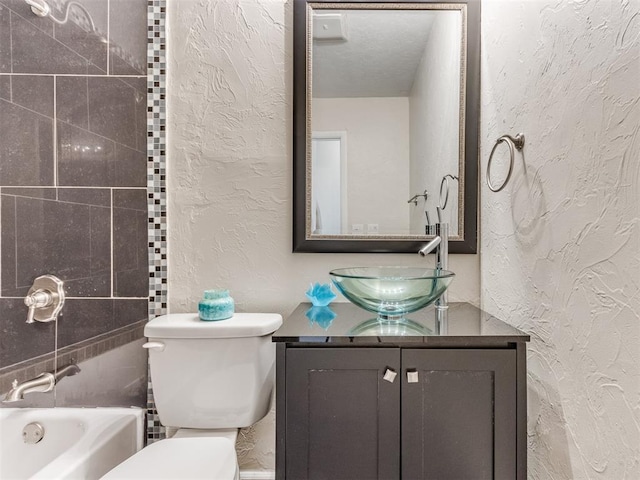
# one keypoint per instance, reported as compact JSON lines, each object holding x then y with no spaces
{"x":379,"y":57}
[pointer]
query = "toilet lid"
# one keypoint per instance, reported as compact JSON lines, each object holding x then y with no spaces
{"x":183,"y":458}
{"x":189,"y":325}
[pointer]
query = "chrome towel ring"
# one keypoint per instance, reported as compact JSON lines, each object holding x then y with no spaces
{"x":445,"y":183}
{"x":514,"y":144}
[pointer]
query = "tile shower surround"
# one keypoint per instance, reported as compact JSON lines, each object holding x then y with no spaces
{"x":73,"y":178}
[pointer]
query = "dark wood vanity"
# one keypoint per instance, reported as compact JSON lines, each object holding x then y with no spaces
{"x":447,"y":402}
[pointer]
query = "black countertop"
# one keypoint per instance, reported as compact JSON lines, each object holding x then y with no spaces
{"x":344,"y":323}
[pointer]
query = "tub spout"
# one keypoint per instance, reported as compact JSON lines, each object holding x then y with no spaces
{"x":42,"y":383}
{"x":67,"y":371}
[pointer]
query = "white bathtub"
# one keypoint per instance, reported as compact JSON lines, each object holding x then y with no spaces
{"x":78,"y":443}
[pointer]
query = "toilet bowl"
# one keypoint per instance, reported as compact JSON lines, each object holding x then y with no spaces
{"x":182,"y":457}
{"x":209,"y":379}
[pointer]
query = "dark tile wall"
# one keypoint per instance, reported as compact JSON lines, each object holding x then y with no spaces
{"x":117,"y":45}
{"x":73,"y":169}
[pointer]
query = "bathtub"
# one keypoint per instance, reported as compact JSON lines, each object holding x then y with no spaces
{"x":78,"y":443}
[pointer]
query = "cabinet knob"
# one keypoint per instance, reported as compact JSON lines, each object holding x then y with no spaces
{"x":412,"y":376}
{"x":389,"y":375}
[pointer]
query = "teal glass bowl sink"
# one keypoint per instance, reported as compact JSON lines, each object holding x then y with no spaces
{"x":391,"y":292}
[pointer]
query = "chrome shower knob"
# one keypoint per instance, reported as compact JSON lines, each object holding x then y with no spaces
{"x":45,"y":299}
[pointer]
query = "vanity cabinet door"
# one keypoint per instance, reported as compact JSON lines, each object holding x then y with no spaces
{"x":342,"y":416}
{"x":459,"y":414}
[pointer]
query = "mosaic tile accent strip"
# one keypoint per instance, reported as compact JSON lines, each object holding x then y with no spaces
{"x":156,"y":182}
{"x":155,"y":430}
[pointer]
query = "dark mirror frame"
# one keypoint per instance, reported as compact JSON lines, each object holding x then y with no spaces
{"x":468,"y":243}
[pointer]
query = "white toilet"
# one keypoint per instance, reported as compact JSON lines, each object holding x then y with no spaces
{"x":209,"y":379}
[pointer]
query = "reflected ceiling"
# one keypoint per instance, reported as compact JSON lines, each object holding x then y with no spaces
{"x":371,"y":62}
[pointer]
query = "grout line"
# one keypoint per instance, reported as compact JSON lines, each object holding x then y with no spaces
{"x":1,"y":244}
{"x":15,"y":240}
{"x":55,"y":133}
{"x":108,"y":37}
{"x":11,"y":39}
{"x":81,"y":298}
{"x":65,"y":187}
{"x":27,"y":108}
{"x":66,"y":202}
{"x":89,"y":239}
{"x":105,"y":298}
{"x":113,"y":274}
{"x":55,"y":358}
{"x":101,"y":75}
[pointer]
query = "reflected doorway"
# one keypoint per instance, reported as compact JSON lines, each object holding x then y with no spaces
{"x":328,"y":192}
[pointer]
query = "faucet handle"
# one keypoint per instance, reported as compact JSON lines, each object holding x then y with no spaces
{"x":45,"y":299}
{"x":35,"y":300}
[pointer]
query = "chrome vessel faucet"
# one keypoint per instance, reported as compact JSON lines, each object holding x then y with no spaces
{"x":440,"y":244}
{"x":42,"y":383}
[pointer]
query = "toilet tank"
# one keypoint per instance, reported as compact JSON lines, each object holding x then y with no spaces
{"x":212,"y":375}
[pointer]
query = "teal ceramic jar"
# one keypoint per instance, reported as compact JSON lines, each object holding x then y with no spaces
{"x":216,"y":305}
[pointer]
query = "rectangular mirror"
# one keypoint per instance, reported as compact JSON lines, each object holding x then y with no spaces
{"x":386,"y":112}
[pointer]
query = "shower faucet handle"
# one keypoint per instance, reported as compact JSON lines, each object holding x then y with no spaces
{"x":45,"y":299}
{"x":38,"y":299}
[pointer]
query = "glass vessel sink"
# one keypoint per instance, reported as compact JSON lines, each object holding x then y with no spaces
{"x":391,"y":292}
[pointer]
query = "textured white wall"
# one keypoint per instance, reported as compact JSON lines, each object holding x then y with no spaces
{"x":560,"y":245}
{"x":377,"y":157}
{"x":435,"y":121}
{"x":230,"y":172}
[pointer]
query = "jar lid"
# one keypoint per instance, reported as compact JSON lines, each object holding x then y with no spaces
{"x":189,"y":325}
{"x":215,"y":294}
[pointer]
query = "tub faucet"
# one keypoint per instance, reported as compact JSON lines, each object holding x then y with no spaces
{"x":42,"y":383}
{"x":440,"y":244}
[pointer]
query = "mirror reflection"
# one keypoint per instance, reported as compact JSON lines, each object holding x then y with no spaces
{"x":386,"y":96}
